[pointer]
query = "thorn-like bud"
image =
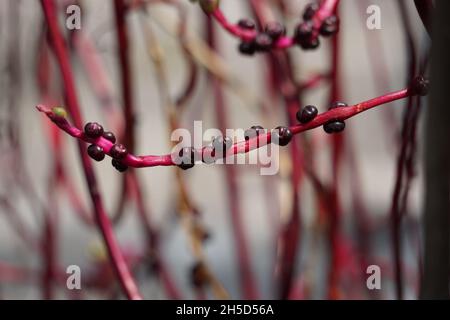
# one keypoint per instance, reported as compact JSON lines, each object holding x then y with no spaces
{"x":209,"y":6}
{"x":60,"y":112}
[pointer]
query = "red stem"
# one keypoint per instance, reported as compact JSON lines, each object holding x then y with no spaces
{"x":125,"y":277}
{"x":335,"y":207}
{"x":237,"y":148}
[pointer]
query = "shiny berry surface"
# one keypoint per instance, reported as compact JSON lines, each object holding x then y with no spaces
{"x":118,"y":151}
{"x":109,"y":136}
{"x":96,"y":152}
{"x":282,"y":136}
{"x":307,"y":114}
{"x":93,"y":130}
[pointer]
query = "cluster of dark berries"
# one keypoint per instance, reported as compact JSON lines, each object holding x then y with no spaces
{"x":335,"y":125}
{"x":280,"y":135}
{"x":305,"y":34}
{"x":264,"y":40}
{"x":188,"y":155}
{"x":118,"y":151}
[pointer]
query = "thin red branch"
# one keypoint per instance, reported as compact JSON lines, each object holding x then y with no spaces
{"x":125,"y":277}
{"x":237,"y":148}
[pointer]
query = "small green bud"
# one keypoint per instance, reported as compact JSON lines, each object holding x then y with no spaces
{"x":209,"y":5}
{"x":60,"y":112}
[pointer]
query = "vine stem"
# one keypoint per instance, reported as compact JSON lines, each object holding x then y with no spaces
{"x":327,"y":7}
{"x":237,"y":148}
{"x":117,"y":259}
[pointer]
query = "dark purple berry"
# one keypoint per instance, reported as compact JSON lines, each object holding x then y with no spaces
{"x":311,"y":44}
{"x":221,"y":145}
{"x":310,"y":11}
{"x":330,"y":26}
{"x":263,"y":42}
{"x":247,"y":48}
{"x":93,"y":130}
{"x":307,"y":114}
{"x":334,"y":126}
{"x":420,"y":85}
{"x":253,"y":132}
{"x":121,"y":167}
{"x":109,"y":136}
{"x":275,"y":30}
{"x":187,"y":156}
{"x":247,"y":24}
{"x":96,"y":152}
{"x":118,"y":151}
{"x":303,"y":31}
{"x":304,"y":35}
{"x":208,"y":155}
{"x":282,"y":136}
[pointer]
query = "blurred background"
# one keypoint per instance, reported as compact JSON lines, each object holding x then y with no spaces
{"x":371,"y":63}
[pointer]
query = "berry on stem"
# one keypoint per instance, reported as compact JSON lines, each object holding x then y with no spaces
{"x":119,"y":165}
{"x":187,"y":156}
{"x":335,"y":125}
{"x":303,"y":31}
{"x":330,"y":26}
{"x":247,"y":48}
{"x":263,"y":42}
{"x":307,"y":114}
{"x":96,"y":152}
{"x":312,"y":44}
{"x":282,"y":136}
{"x":420,"y":85}
{"x":310,"y":11}
{"x":221,"y":145}
{"x":208,"y":155}
{"x":253,"y":132}
{"x":118,"y":151}
{"x":109,"y":136}
{"x":304,"y":35}
{"x":247,"y":24}
{"x":275,"y":30}
{"x":93,"y":130}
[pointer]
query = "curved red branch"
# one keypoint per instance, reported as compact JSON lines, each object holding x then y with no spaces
{"x":240,"y":147}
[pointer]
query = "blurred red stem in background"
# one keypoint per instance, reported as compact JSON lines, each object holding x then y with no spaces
{"x":125,"y":278}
